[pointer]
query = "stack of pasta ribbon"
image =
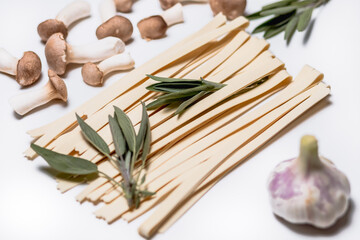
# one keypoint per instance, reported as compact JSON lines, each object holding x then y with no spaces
{"x":190,"y":153}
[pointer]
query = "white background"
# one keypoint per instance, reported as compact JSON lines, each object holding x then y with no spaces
{"x":237,"y":207}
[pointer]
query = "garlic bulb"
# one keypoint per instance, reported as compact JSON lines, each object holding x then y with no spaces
{"x":309,"y":189}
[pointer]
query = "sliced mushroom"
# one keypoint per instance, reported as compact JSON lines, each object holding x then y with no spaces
{"x":59,"y":53}
{"x":71,"y":13}
{"x":26,"y":70}
{"x":155,"y":27}
{"x":54,"y":89}
{"x":94,"y":74}
{"x":166,"y":4}
{"x":230,"y":8}
{"x":124,"y":5}
{"x":115,"y":26}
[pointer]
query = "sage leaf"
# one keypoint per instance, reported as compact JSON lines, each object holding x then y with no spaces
{"x":188,"y":102}
{"x":277,"y":4}
{"x":159,"y":103}
{"x":140,"y":137}
{"x":146,"y":144}
{"x":93,"y":137}
{"x":274,"y":31}
{"x":186,"y":92}
{"x":273,"y":22}
{"x":216,"y":86}
{"x":254,"y":16}
{"x":303,"y":3}
{"x":127,"y":128}
{"x":143,"y":178}
{"x":118,"y":136}
{"x":146,"y":193}
{"x":64,"y":163}
{"x":170,"y":80}
{"x":290,"y":28}
{"x":278,"y":11}
{"x":304,"y":19}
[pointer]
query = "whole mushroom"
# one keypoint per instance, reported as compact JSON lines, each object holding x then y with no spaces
{"x":59,"y":53}
{"x":124,"y":6}
{"x":155,"y":27}
{"x":230,"y":8}
{"x":54,"y":89}
{"x":115,"y":26}
{"x":27,"y":70}
{"x":71,"y":13}
{"x":94,"y":74}
{"x":166,"y":4}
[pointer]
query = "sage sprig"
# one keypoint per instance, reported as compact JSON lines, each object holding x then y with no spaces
{"x":128,"y":147}
{"x":185,"y":92}
{"x":288,"y":16}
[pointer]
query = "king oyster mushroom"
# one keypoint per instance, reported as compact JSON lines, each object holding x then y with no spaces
{"x":124,"y":5}
{"x":155,"y":27}
{"x":59,"y":53}
{"x":94,"y":74}
{"x":230,"y":8}
{"x":71,"y":13}
{"x":54,"y":89}
{"x":166,"y":4}
{"x":27,"y":70}
{"x":113,"y":25}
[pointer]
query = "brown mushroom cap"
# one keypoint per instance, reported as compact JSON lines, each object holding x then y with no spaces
{"x":166,"y":4}
{"x":51,"y":26}
{"x":28,"y":69}
{"x":55,"y":52}
{"x":230,"y":8}
{"x":58,"y":84}
{"x":92,"y":75}
{"x":116,"y":26}
{"x":124,"y":5}
{"x":153,"y":27}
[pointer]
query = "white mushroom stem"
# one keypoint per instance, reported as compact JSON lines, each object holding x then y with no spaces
{"x":27,"y":101}
{"x":8,"y":63}
{"x":74,"y":11}
{"x":118,"y":62}
{"x":94,"y":52}
{"x":173,"y":15}
{"x":107,"y":9}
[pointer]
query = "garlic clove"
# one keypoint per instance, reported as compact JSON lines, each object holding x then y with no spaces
{"x":309,"y":189}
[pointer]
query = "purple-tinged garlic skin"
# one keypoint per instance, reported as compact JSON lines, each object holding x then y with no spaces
{"x":309,"y":189}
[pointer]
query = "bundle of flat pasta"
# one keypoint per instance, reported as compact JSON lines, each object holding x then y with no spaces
{"x":192,"y":151}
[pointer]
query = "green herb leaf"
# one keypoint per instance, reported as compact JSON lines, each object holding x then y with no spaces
{"x":146,"y":193}
{"x":186,"y":93}
{"x":127,"y":128}
{"x":188,"y":102}
{"x":146,"y":144}
{"x":290,"y":28}
{"x":278,"y":11}
{"x":170,"y":80}
{"x":277,"y":4}
{"x":64,"y":163}
{"x":173,"y":87}
{"x":142,"y":130}
{"x":254,"y":16}
{"x":160,"y":102}
{"x":143,"y":179}
{"x":303,"y":3}
{"x":216,"y":86}
{"x":304,"y":19}
{"x":271,"y":32}
{"x":273,"y":21}
{"x":118,"y":137}
{"x":93,"y":137}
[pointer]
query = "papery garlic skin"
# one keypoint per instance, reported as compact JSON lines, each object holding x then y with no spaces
{"x":309,"y":189}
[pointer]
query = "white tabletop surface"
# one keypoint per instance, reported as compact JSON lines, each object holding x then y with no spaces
{"x":237,"y":207}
